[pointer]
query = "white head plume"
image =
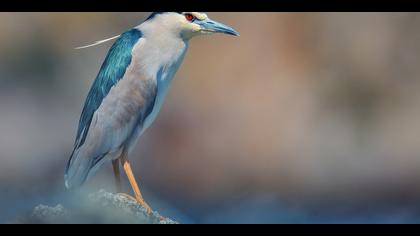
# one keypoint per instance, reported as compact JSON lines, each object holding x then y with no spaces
{"x":98,"y":42}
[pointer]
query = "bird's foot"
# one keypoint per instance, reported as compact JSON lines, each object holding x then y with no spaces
{"x":139,"y":201}
{"x":145,"y":205}
{"x":127,"y":196}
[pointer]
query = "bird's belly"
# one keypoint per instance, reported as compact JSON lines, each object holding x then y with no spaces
{"x":163,"y":77}
{"x":160,"y":98}
{"x":164,"y":81}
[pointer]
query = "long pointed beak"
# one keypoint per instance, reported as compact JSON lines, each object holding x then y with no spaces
{"x":211,"y":26}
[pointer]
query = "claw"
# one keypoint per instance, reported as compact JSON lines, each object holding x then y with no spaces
{"x":139,"y":201}
{"x":145,"y":205}
{"x":127,"y":196}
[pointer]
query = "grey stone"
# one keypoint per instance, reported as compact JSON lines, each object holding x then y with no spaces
{"x":97,"y":208}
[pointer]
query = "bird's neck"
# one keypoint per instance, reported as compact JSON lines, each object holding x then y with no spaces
{"x":165,"y":53}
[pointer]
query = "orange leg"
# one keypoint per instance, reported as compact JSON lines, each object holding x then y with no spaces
{"x":127,"y":168}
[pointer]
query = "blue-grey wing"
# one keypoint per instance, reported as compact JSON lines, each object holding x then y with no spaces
{"x":118,"y":102}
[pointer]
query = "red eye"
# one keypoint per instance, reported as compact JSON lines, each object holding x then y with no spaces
{"x":189,"y":17}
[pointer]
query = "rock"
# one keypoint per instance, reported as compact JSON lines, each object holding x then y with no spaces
{"x":97,"y":208}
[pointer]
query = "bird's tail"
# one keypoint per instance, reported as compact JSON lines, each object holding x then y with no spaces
{"x":77,"y":169}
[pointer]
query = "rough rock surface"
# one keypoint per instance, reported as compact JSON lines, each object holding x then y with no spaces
{"x":100,"y":207}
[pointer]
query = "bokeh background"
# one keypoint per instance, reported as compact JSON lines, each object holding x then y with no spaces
{"x":304,"y":118}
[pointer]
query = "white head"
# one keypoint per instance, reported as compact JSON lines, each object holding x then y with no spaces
{"x":188,"y":24}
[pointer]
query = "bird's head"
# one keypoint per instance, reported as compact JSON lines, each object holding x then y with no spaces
{"x":190,"y":24}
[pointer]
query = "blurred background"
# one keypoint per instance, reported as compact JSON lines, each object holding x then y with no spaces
{"x":304,"y":118}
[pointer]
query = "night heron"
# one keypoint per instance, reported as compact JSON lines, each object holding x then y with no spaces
{"x":129,"y":90}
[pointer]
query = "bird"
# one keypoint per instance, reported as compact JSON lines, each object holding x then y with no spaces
{"x":128,"y":92}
